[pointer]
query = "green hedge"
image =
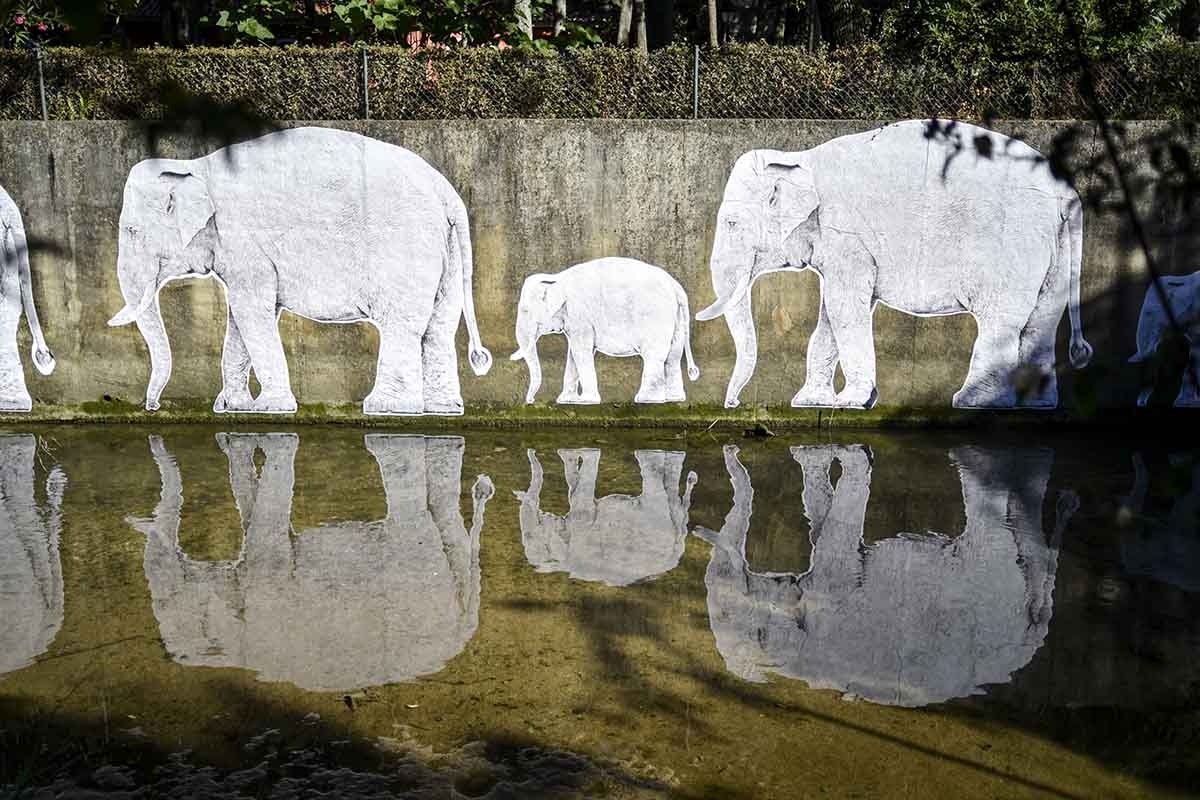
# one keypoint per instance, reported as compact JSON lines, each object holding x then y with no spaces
{"x":740,"y":82}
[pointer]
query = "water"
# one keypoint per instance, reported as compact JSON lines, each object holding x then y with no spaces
{"x":286,"y":612}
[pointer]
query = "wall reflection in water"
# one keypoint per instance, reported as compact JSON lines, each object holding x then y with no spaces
{"x":337,"y":607}
{"x":907,"y":620}
{"x":1163,"y":543}
{"x":31,"y":580}
{"x":617,"y":539}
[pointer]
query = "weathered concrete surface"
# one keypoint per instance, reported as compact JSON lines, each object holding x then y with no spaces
{"x":542,"y":195}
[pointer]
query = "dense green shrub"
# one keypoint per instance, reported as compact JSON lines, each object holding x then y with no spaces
{"x":743,"y":81}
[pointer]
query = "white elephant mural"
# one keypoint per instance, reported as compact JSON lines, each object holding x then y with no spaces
{"x":901,"y":217}
{"x":16,"y":295}
{"x":616,"y":306}
{"x":1165,"y":549}
{"x":338,"y":607}
{"x":1182,"y":294}
{"x":327,"y":224}
{"x":617,"y":539}
{"x":31,"y":579}
{"x":909,"y":620}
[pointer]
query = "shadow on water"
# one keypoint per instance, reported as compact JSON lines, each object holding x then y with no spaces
{"x":643,"y":614}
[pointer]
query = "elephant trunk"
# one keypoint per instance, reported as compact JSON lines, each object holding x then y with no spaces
{"x":528,"y":352}
{"x":741,"y":326}
{"x":43,"y":359}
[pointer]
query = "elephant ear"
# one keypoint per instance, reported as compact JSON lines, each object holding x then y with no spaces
{"x":552,"y":296}
{"x":188,"y":204}
{"x":792,"y":197}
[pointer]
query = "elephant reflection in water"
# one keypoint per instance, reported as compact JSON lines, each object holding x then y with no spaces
{"x":31,"y":581}
{"x":1165,"y":549}
{"x":910,"y":620}
{"x":618,"y":539}
{"x":342,"y":606}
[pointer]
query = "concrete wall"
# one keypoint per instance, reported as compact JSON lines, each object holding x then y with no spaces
{"x":542,"y":195}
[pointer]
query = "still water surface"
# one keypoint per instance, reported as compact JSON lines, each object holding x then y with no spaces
{"x":337,"y":612}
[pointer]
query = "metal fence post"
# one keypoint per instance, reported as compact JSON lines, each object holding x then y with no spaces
{"x":366,"y":80}
{"x":696,"y":83}
{"x":41,"y":83}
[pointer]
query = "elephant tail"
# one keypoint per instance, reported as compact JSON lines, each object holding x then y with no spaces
{"x":685,"y":323}
{"x":1080,"y":351}
{"x":460,"y":247}
{"x":43,"y":359}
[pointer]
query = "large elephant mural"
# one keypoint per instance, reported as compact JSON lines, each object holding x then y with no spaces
{"x":1180,"y":294}
{"x":616,"y":306}
{"x":617,"y":539}
{"x":338,"y":607}
{"x":31,"y":579}
{"x":909,"y":620}
{"x":327,"y":224}
{"x":16,"y":296}
{"x":900,"y":216}
{"x":1164,"y":547}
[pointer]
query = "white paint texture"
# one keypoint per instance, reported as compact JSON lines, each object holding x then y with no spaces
{"x":909,"y":620}
{"x":1183,"y":295}
{"x":616,"y":306}
{"x":327,"y":224}
{"x":31,"y":580}
{"x":1164,"y":547}
{"x":338,"y":607}
{"x":16,"y":295}
{"x":927,"y":225}
{"x":617,"y":539}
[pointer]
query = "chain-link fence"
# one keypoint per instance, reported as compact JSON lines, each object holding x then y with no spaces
{"x":749,"y":81}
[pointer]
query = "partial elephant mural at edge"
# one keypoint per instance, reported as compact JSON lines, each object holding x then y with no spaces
{"x":961,"y":268}
{"x":16,"y":295}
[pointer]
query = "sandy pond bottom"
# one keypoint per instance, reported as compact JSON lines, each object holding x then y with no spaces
{"x":327,"y":612}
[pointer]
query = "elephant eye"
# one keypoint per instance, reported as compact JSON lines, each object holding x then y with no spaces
{"x":132,"y":230}
{"x":731,"y":223}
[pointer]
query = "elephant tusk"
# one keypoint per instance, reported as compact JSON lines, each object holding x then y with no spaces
{"x":517,"y":356}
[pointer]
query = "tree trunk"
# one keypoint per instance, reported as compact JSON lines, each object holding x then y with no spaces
{"x":713,"y":40}
{"x":560,"y":16}
{"x":524,"y":17}
{"x":660,"y":23}
{"x":625,"y":23}
{"x":639,"y":16}
{"x":175,"y":22}
{"x":1189,"y":20}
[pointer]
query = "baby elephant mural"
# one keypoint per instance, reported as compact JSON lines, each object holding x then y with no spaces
{"x":899,"y":216}
{"x":908,"y":620}
{"x":339,"y":607}
{"x":619,"y":307}
{"x":327,"y":224}
{"x":1183,"y":297}
{"x":31,"y":578}
{"x":16,"y":294}
{"x":617,"y":539}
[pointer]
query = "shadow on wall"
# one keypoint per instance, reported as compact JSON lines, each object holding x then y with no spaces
{"x":339,"y":607}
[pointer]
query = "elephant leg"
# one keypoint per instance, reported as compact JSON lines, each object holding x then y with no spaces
{"x":848,"y":302}
{"x":235,"y":372}
{"x":441,"y":391}
{"x":1038,"y":381}
{"x":819,"y":366}
{"x":994,"y":361}
{"x":581,"y":348}
{"x":570,"y":386}
{"x":14,"y":396}
{"x":257,"y":319}
{"x":654,"y":377}
{"x":399,"y":386}
{"x":1189,"y":395}
{"x":673,"y":369}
